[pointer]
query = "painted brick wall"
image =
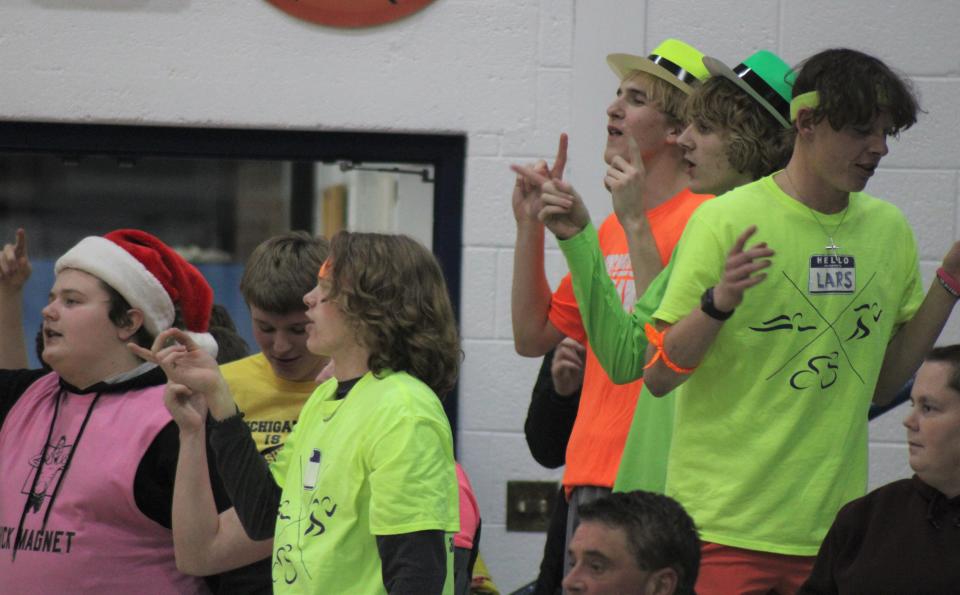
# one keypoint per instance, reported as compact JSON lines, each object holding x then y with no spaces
{"x":511,"y":75}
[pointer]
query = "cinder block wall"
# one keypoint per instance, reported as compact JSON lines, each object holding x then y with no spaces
{"x":511,"y":75}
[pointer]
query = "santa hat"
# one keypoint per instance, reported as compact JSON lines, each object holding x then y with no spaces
{"x":151,"y":276}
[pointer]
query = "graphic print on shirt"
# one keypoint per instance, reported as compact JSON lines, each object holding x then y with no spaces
{"x":620,"y":272}
{"x":50,"y":467}
{"x":295,"y":528}
{"x":819,"y":363}
{"x":269,"y":435}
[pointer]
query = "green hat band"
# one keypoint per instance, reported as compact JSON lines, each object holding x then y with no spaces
{"x":808,"y":100}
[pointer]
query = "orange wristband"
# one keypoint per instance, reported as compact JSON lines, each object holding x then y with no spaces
{"x":656,"y":339}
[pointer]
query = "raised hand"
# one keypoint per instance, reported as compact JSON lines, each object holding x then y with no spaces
{"x":566,"y":370}
{"x":739,"y":272}
{"x":562,"y":210}
{"x":188,"y":409}
{"x":183,"y":361}
{"x":625,"y":182}
{"x":526,"y":195}
{"x":15,"y":266}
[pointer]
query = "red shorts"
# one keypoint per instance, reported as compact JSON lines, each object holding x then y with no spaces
{"x":726,"y":570}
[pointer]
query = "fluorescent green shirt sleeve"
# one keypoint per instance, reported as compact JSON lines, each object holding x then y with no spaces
{"x":616,"y":336}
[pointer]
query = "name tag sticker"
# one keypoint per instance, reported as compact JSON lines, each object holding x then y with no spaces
{"x":832,"y":273}
{"x":312,"y":470}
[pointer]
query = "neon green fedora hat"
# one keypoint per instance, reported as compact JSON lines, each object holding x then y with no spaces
{"x":765,"y":77}
{"x":674,"y":61}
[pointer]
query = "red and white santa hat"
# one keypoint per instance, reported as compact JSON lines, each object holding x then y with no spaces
{"x":151,"y":276}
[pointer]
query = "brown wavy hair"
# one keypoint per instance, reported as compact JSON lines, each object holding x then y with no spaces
{"x":948,"y":354}
{"x":757,"y":144}
{"x":393,"y":294}
{"x":855,"y":88}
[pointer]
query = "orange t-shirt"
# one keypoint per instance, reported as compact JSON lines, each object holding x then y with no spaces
{"x":606,"y":409}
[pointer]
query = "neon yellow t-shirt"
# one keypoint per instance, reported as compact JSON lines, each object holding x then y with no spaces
{"x":377,"y":462}
{"x":770,"y":438}
{"x":270,"y":404}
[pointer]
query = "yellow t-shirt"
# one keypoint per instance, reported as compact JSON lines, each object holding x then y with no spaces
{"x":270,"y":404}
{"x":770,"y":435}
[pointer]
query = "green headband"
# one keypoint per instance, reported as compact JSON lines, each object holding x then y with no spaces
{"x":810,"y":99}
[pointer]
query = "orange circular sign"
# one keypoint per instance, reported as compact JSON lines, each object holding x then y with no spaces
{"x":350,"y":13}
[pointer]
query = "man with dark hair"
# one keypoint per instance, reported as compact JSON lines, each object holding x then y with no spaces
{"x":905,"y":536}
{"x":771,"y":433}
{"x":638,"y":543}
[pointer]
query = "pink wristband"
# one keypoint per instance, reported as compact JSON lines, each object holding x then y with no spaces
{"x":949,"y":282}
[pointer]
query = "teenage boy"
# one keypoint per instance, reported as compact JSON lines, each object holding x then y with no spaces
{"x":771,"y":433}
{"x":271,"y":387}
{"x":738,"y":132}
{"x":644,"y":164}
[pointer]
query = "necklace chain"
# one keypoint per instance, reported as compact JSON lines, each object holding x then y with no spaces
{"x":832,"y":246}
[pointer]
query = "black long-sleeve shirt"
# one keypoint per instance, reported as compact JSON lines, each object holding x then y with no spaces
{"x":547,"y":428}
{"x":550,"y":418}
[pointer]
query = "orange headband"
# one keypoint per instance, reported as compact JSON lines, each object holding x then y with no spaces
{"x":325,"y":269}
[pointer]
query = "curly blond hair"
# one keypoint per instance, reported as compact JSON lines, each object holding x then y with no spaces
{"x":392,"y":293}
{"x":757,"y":144}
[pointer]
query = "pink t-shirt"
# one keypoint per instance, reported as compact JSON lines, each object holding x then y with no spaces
{"x":469,"y":512}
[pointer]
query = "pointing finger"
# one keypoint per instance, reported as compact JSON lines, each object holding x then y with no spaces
{"x":20,"y":250}
{"x":561,"y":161}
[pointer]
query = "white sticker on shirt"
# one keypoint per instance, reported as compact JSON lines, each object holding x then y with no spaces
{"x":312,"y":470}
{"x":832,"y":273}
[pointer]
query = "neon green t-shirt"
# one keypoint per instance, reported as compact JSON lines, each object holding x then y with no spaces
{"x":270,"y":404}
{"x":618,"y":340}
{"x":770,"y":437}
{"x":377,"y":462}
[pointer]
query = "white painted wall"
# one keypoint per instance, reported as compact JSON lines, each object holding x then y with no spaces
{"x":511,"y":75}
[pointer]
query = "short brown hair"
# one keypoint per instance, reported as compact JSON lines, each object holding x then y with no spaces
{"x":118,"y":311}
{"x":949,"y":354}
{"x":757,"y":144}
{"x":282,"y":270}
{"x":392,"y":292}
{"x":855,"y":88}
{"x":667,"y":98}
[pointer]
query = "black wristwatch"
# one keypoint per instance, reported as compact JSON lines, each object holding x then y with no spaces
{"x":710,"y":309}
